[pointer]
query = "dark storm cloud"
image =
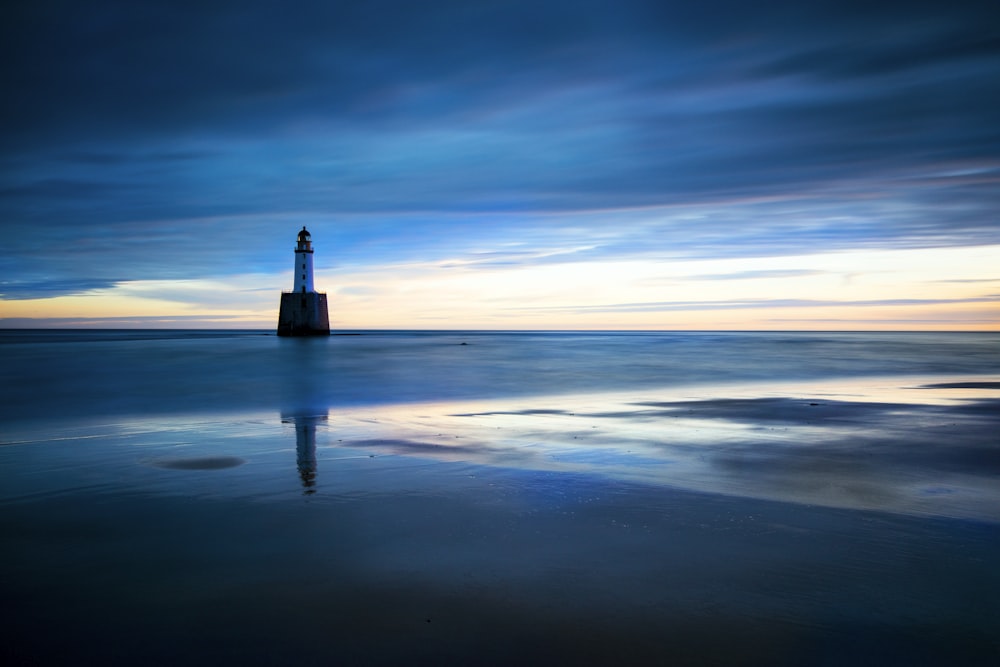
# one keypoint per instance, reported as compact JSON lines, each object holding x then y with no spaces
{"x":439,"y":129}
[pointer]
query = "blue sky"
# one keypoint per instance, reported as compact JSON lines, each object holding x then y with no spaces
{"x":585,"y":164}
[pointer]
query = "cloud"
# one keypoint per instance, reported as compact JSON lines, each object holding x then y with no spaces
{"x":738,"y":304}
{"x":756,"y":275}
{"x":40,"y":289}
{"x":171,"y":141}
{"x":124,"y":322}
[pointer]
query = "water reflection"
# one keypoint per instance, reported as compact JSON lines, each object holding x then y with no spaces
{"x":910,"y":445}
{"x":305,"y":447}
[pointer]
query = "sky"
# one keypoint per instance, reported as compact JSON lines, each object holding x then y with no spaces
{"x":718,"y":164}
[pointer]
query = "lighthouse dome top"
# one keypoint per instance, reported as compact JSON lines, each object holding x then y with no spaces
{"x":304,"y":234}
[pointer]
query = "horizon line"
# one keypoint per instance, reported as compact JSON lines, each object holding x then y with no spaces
{"x":487,"y":330}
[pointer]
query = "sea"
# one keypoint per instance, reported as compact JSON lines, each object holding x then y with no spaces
{"x":205,"y":497}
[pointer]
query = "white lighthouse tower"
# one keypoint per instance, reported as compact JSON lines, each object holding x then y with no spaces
{"x":303,"y":310}
{"x":304,"y":263}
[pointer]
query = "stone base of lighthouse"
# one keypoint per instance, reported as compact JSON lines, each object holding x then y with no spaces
{"x":303,"y":314}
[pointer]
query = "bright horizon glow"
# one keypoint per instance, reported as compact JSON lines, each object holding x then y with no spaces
{"x":914,"y":289}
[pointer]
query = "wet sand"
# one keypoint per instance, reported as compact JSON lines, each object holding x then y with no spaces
{"x":528,"y":570}
{"x":767,"y":524}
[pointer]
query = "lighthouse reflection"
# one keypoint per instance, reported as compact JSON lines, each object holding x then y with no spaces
{"x":305,"y":447}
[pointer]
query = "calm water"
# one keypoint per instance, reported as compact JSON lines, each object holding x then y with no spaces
{"x":500,"y":498}
{"x":57,"y":373}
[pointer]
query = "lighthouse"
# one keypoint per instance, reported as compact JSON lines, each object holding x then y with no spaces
{"x":303,"y":310}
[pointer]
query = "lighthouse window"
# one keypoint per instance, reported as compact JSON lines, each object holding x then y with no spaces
{"x":303,"y":276}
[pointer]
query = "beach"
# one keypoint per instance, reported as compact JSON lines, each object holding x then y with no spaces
{"x":722,"y":498}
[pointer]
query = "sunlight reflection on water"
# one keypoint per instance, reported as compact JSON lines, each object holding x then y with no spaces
{"x":876,"y":444}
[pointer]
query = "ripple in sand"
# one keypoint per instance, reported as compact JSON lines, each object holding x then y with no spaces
{"x":201,"y":463}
